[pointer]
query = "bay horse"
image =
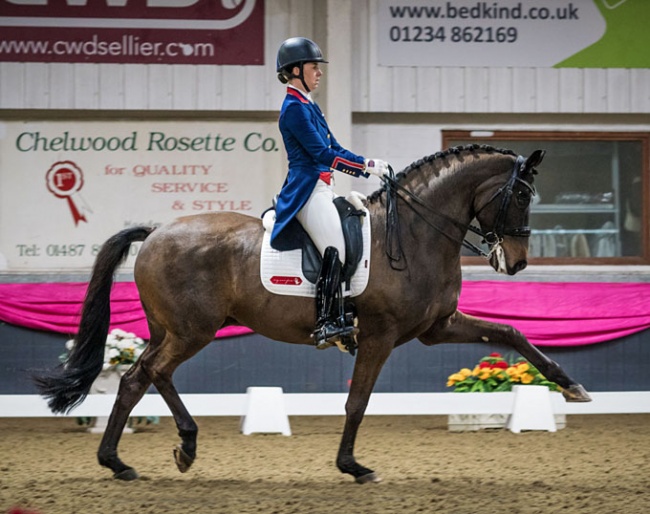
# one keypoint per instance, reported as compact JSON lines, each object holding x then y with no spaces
{"x":200,"y":273}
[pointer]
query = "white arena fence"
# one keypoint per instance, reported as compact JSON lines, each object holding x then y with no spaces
{"x":333,"y":404}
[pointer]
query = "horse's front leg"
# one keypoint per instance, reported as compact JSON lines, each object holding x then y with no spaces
{"x":370,"y":360}
{"x":461,"y":328}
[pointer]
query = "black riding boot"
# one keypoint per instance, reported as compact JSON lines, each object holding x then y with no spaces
{"x":329,"y":326}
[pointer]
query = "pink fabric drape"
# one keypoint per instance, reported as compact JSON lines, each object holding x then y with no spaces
{"x":561,"y":313}
{"x":56,"y":307}
{"x":548,"y":313}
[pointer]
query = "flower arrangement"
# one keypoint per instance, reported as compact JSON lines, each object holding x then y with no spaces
{"x":495,"y":374}
{"x":122,"y":348}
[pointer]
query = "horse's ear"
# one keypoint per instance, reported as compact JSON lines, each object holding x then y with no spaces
{"x":535,"y":159}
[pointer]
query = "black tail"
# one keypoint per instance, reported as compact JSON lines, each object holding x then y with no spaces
{"x":67,"y":385}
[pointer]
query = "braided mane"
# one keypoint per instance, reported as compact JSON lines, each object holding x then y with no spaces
{"x":439,"y":156}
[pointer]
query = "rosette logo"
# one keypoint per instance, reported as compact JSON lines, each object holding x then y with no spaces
{"x":64,"y":180}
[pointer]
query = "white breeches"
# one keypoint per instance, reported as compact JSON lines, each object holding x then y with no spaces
{"x":321,"y":220}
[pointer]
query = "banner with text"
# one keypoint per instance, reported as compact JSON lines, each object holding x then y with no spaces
{"x":514,"y":33}
{"x":133,"y":31}
{"x":65,"y":187}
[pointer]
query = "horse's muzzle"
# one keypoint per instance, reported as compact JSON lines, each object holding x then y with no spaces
{"x":520,"y":266}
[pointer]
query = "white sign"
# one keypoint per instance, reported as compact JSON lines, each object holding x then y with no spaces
{"x":470,"y":33}
{"x":65,"y":187}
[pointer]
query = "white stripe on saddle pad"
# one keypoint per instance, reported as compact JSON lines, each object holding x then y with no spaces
{"x":281,"y":272}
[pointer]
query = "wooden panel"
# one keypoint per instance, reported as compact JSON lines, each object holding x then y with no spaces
{"x":111,"y":87}
{"x":452,"y":90}
{"x":376,"y":89}
{"x":595,"y":88}
{"x":36,"y":86}
{"x":159,"y":84}
{"x":12,"y":84}
{"x":404,"y":88}
{"x":208,"y":90}
{"x":86,"y":86}
{"x":500,"y":90}
{"x":477,"y":82}
{"x":427,"y":93}
{"x":640,"y":90}
{"x":618,"y":90}
{"x":62,"y":91}
{"x":571,"y":91}
{"x":136,"y":89}
{"x":547,"y":88}
{"x":184,"y":87}
{"x":233,"y":87}
{"x":523,"y":90}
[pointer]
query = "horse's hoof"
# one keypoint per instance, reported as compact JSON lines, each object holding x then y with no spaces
{"x":183,"y":460}
{"x":368,"y":479}
{"x":576,"y":393}
{"x":127,"y":475}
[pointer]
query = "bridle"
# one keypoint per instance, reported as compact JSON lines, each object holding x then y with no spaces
{"x":506,"y":191}
{"x":492,"y":238}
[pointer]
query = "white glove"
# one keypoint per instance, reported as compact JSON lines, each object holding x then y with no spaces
{"x":376,"y":167}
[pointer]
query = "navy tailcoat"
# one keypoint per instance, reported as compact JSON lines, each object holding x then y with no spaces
{"x":311,"y":150}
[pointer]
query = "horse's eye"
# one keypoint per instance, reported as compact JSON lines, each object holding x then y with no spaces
{"x":523,"y":198}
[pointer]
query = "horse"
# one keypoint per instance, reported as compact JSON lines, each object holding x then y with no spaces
{"x":200,"y":273}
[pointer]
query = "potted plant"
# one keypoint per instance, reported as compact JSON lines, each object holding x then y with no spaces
{"x":121,"y":351}
{"x":495,"y":374}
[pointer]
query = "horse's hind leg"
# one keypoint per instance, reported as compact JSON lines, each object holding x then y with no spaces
{"x":172,"y":352}
{"x":184,"y":453}
{"x":461,"y":328}
{"x":132,"y":387}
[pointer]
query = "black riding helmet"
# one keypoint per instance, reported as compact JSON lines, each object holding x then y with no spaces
{"x":296,"y":51}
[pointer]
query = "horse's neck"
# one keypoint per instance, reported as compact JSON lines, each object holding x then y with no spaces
{"x":448,"y":193}
{"x":449,"y":190}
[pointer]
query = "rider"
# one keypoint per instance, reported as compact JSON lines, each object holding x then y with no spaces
{"x":307,"y":192}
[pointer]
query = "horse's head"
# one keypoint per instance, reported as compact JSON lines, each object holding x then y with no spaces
{"x":503,"y":211}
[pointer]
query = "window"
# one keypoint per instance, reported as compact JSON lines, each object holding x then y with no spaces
{"x":592,"y":202}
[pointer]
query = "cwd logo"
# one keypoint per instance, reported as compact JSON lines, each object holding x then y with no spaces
{"x":125,"y":14}
{"x":229,"y":32}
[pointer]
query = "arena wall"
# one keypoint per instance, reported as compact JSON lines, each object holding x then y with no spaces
{"x":396,"y":112}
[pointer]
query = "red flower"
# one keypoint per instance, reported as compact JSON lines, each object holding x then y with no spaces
{"x":501,"y":364}
{"x":495,"y":354}
{"x":484,"y":364}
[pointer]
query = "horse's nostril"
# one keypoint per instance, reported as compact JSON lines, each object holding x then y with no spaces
{"x":521,"y":265}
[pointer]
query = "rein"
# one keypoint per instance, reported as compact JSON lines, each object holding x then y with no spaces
{"x":493,"y":238}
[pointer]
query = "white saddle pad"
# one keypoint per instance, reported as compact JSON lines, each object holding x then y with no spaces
{"x":281,"y":272}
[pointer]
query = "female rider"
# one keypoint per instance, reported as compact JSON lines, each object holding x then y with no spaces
{"x":307,"y":193}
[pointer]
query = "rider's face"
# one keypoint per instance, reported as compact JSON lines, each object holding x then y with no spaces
{"x":312,"y":74}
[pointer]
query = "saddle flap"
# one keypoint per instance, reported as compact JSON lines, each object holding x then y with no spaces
{"x":295,"y":272}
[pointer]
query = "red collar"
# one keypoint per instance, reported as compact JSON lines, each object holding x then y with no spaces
{"x":293,"y":92}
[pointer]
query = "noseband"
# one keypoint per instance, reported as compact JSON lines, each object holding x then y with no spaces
{"x":493,"y":238}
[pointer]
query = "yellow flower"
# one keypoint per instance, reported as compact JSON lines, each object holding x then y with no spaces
{"x":465,"y":372}
{"x":527,"y":378}
{"x":475,"y":371}
{"x":523,"y":366}
{"x":456,"y":377}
